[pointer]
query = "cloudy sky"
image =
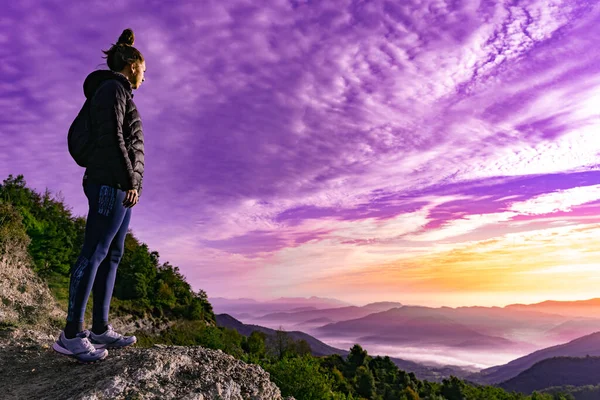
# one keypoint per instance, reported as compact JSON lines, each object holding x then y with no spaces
{"x":428,"y":152}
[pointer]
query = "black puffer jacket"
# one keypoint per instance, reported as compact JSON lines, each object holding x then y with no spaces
{"x":118,"y":159}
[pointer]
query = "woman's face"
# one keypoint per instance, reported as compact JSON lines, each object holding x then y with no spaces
{"x":137,"y":74}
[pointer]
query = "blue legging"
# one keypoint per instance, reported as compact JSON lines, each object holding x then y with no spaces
{"x":96,"y":267}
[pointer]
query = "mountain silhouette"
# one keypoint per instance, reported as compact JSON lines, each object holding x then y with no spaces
{"x":578,"y":308}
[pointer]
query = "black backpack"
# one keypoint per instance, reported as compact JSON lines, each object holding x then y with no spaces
{"x":80,"y":139}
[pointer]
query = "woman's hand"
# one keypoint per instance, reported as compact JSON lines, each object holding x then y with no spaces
{"x":131,"y":198}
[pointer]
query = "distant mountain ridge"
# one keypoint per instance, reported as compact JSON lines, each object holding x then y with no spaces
{"x":576,"y":308}
{"x":334,"y":314}
{"x":284,"y":304}
{"x":311,"y":299}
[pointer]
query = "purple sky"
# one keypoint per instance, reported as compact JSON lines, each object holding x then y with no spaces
{"x":425,"y":152}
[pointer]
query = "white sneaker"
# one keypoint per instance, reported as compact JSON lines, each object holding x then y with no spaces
{"x":79,"y":348}
{"x":111,"y":339}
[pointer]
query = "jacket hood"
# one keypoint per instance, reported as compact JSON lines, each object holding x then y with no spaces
{"x":96,"y":78}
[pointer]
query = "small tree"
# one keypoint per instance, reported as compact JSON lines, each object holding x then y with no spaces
{"x":280,"y":344}
{"x":365,"y":382}
{"x":356,"y":358}
{"x":301,"y":347}
{"x":453,"y":389}
{"x":13,"y":238}
{"x":255,"y":344}
{"x":300,"y":377}
{"x":410,"y":394}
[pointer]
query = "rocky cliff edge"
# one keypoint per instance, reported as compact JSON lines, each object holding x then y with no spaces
{"x":30,"y":321}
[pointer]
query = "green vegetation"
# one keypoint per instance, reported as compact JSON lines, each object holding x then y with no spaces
{"x":587,"y":392}
{"x":147,"y":288}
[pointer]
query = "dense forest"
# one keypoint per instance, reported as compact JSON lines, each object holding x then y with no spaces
{"x":151,"y":289}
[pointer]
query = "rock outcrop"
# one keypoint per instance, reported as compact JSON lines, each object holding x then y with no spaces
{"x":26,"y":301}
{"x":35,"y":371}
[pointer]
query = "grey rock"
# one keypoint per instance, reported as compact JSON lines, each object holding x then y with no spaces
{"x":35,"y":371}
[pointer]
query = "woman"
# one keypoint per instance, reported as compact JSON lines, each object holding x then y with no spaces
{"x":113,"y":184}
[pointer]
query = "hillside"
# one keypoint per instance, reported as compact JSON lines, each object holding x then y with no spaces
{"x":581,"y":347}
{"x":318,"y":348}
{"x":556,"y":371}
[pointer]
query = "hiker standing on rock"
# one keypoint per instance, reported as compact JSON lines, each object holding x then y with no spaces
{"x":113,"y":184}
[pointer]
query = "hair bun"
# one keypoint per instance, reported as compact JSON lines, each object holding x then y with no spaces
{"x":126,"y":37}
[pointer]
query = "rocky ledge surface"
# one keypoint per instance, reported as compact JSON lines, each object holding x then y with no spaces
{"x":30,"y":370}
